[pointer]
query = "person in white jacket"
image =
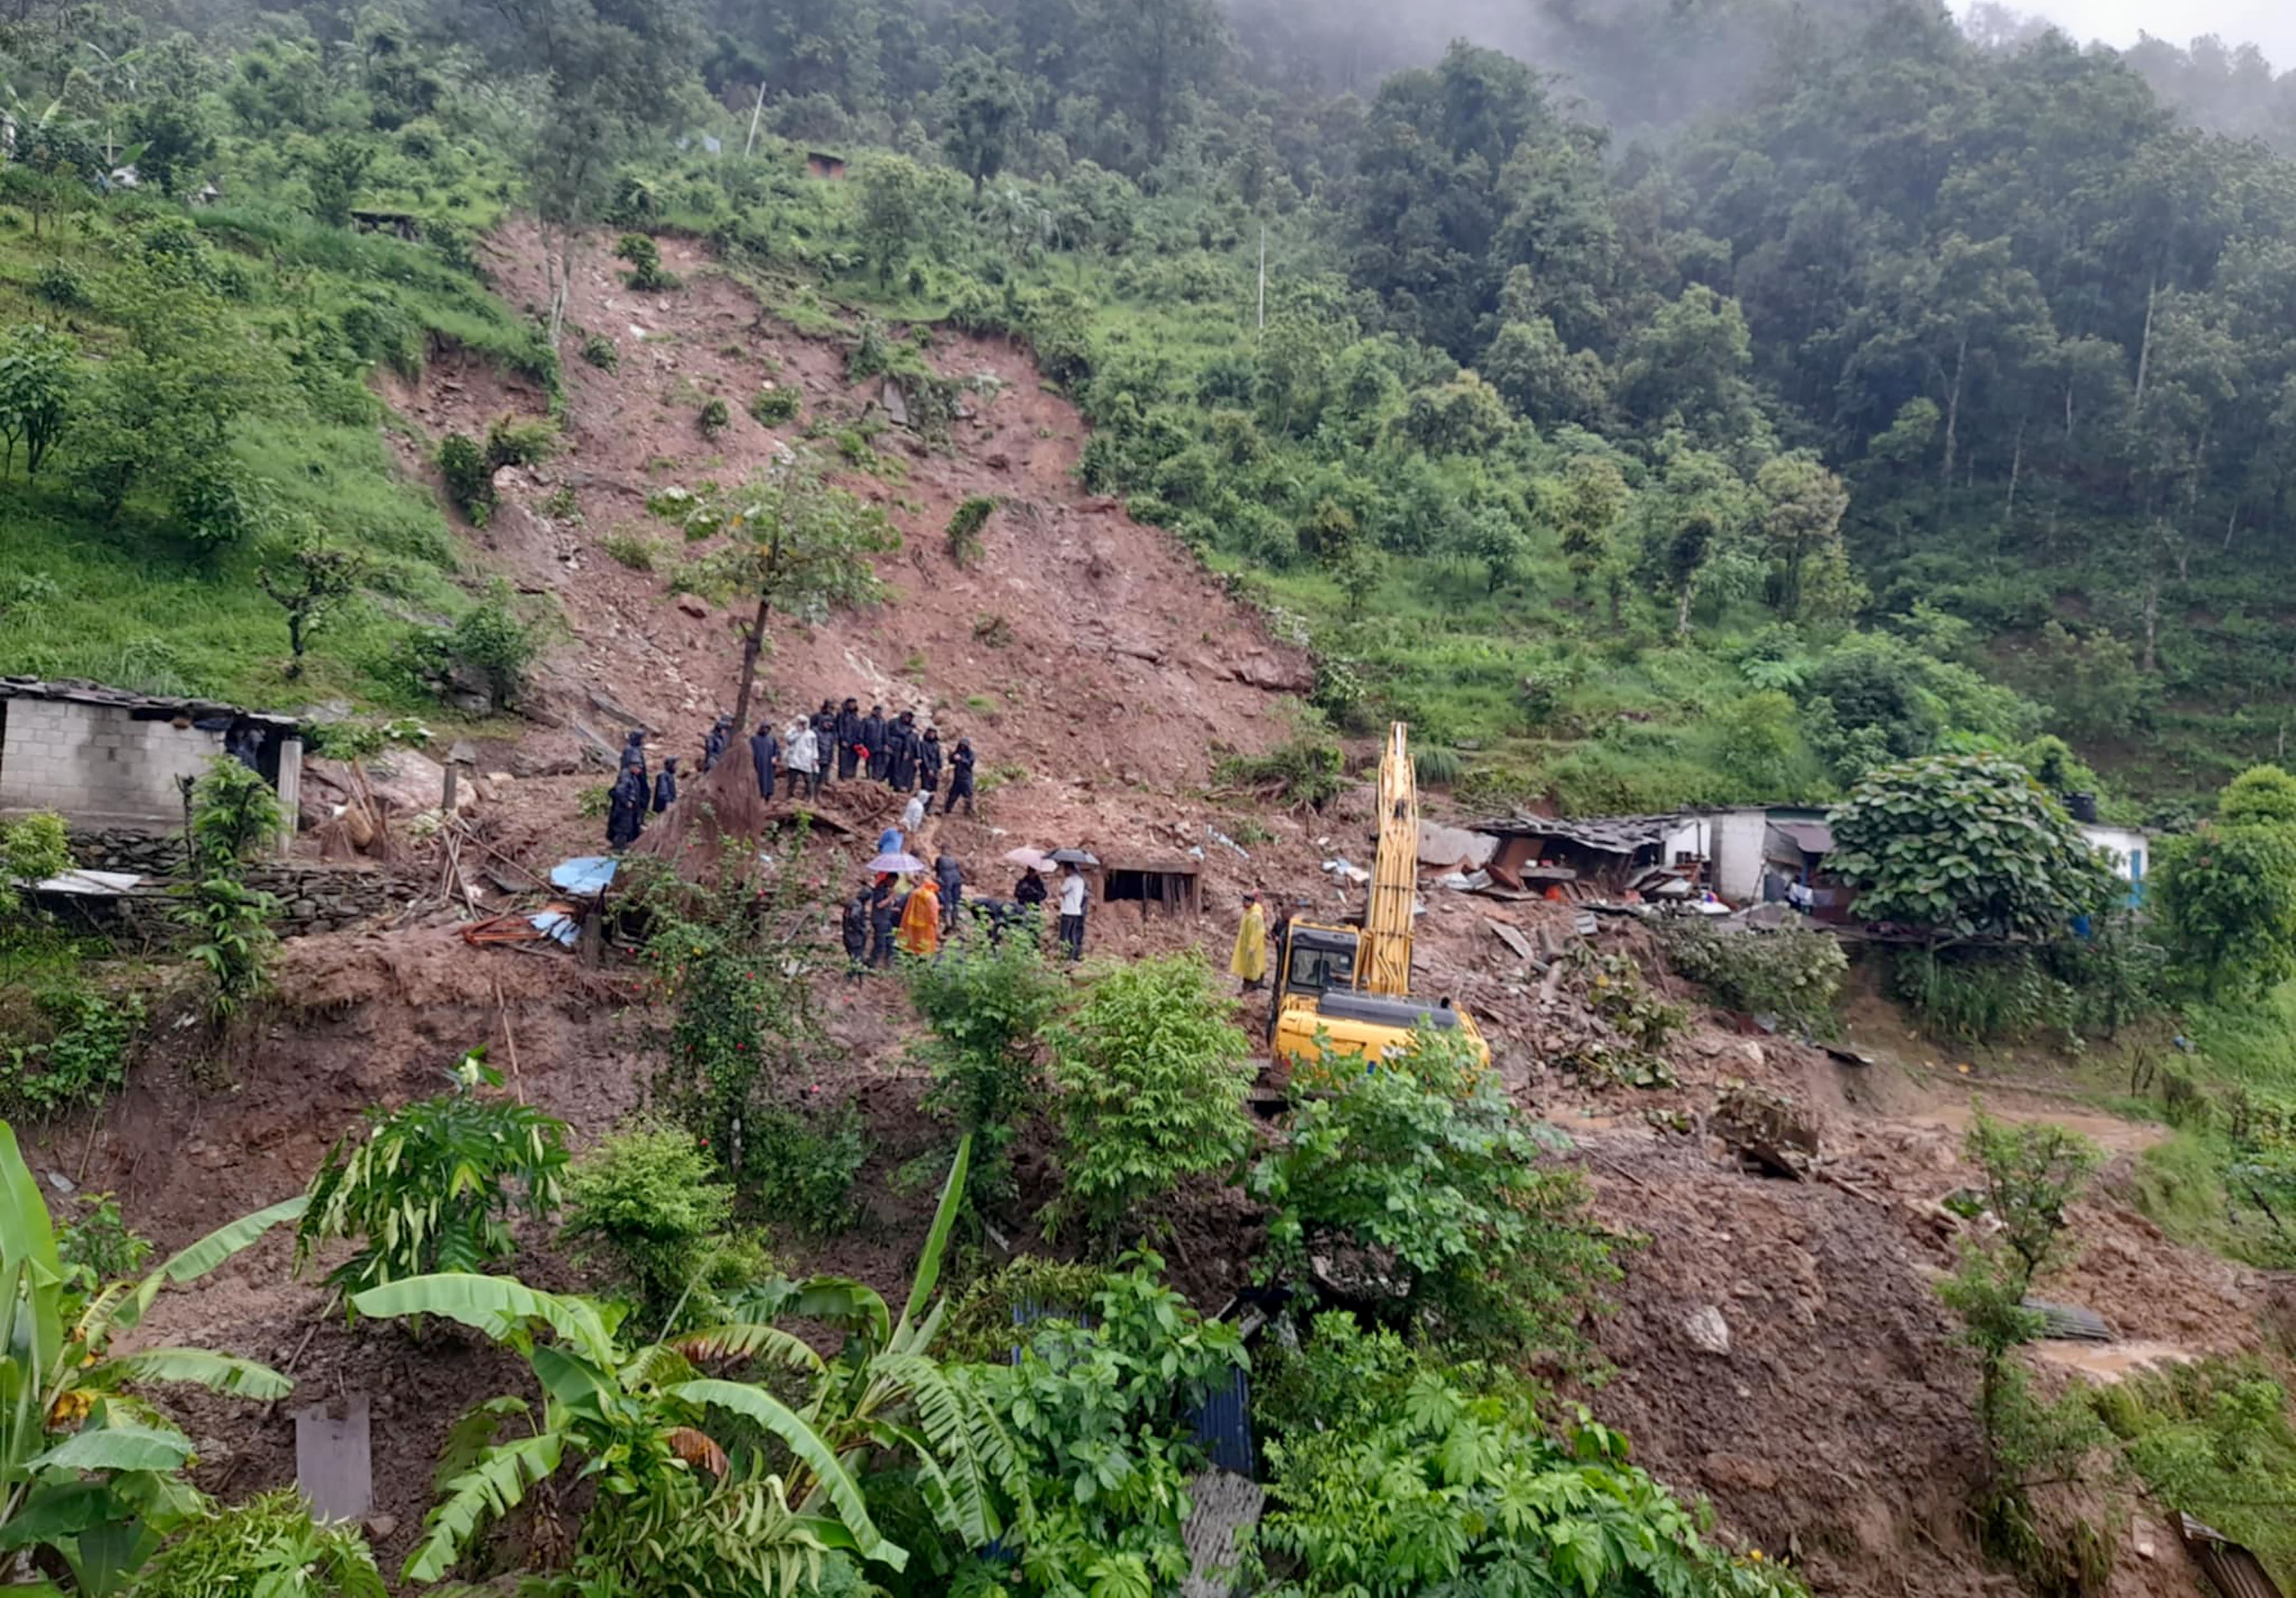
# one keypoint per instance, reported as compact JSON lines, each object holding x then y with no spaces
{"x":804,"y":758}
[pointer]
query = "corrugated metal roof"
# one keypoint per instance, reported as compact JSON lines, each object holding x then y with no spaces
{"x":80,"y":692}
{"x":1811,"y":837}
{"x":2236,"y":1571}
{"x":1223,"y":1424}
{"x":1612,"y":835}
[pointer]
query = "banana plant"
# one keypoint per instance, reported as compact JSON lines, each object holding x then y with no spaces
{"x":673,"y":1498}
{"x":86,"y":1469}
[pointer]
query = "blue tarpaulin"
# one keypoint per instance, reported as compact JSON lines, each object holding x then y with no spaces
{"x":588,"y":875}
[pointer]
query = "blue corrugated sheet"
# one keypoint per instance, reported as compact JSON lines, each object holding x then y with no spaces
{"x":1222,"y":1423}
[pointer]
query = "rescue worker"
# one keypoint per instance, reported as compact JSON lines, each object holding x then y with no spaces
{"x":713,"y":747}
{"x":634,"y":749}
{"x":949,"y":877}
{"x":804,"y":759}
{"x":873,"y":741}
{"x":1029,"y":893}
{"x":882,"y":910}
{"x":1072,"y":907}
{"x":665,"y":787}
{"x":853,"y":925}
{"x":901,"y":753}
{"x":913,"y":814}
{"x":920,"y":934}
{"x":625,"y":806}
{"x":847,"y":736}
{"x":1249,"y":960}
{"x":960,"y":777}
{"x":765,"y":754}
{"x":929,"y":762}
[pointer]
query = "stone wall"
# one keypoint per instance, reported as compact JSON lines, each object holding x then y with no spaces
{"x":311,"y":898}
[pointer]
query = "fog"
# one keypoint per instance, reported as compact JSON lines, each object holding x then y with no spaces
{"x":2270,"y":25}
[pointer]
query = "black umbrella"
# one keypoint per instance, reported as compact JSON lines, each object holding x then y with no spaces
{"x":1072,"y":857}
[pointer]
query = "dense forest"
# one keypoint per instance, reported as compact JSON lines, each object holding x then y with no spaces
{"x":1693,"y":407}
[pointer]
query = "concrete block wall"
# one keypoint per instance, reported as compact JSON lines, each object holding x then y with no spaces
{"x":96,"y":764}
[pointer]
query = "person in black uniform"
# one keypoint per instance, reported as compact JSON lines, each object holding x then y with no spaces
{"x":872,"y":739}
{"x":848,"y":734}
{"x":901,"y":753}
{"x":765,"y":757}
{"x":625,"y":806}
{"x":665,"y":787}
{"x":929,"y":763}
{"x":960,"y":777}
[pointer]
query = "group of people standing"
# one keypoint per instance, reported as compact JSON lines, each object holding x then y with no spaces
{"x":838,"y":743}
{"x":892,"y":914}
{"x":833,"y":743}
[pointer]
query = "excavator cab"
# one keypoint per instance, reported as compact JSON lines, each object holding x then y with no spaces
{"x":1316,"y":993}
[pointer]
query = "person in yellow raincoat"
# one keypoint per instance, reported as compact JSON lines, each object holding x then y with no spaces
{"x":1249,"y":960}
{"x":920,"y":932}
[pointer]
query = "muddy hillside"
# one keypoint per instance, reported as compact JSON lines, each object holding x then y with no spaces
{"x":1776,"y":1344}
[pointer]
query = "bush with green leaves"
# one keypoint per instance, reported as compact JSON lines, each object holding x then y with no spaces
{"x":268,"y":1547}
{"x":227,"y":937}
{"x":773,"y":405}
{"x":82,"y":1060}
{"x":469,"y":480}
{"x":646,"y":275}
{"x":1966,"y":845}
{"x":33,"y":847}
{"x":492,"y":647}
{"x":1099,"y":1418}
{"x":713,"y":418}
{"x":599,"y":351}
{"x":62,"y":286}
{"x":2213,"y":1439}
{"x":235,"y":815}
{"x":1149,"y":1075}
{"x":1390,"y":1473}
{"x":39,"y":370}
{"x":1424,"y":1191}
{"x":645,"y":1202}
{"x":1305,"y":771}
{"x":432,"y":1186}
{"x":521,"y":441}
{"x":2224,"y":896}
{"x":987,"y":1003}
{"x":964,"y":529}
{"x":1792,"y":974}
{"x":96,"y":1245}
{"x":2030,"y":1174}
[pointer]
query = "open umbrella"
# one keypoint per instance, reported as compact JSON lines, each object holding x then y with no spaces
{"x":1073,"y":857}
{"x":1035,"y":860}
{"x":899,"y":865}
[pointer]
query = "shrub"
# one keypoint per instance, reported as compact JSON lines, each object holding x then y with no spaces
{"x":1424,"y":1169}
{"x":96,"y":1245}
{"x":645,"y":1202}
{"x":964,"y":529}
{"x":2213,"y":1439}
{"x":2225,"y":901}
{"x":521,"y":442}
{"x":773,"y":405}
{"x":802,"y":1162}
{"x":61,"y":287}
{"x":428,"y":1187}
{"x":630,"y":549}
{"x":986,"y":1003}
{"x":32,"y":848}
{"x":713,"y":418}
{"x":1150,"y":1076}
{"x":1304,"y":771}
{"x":268,"y":1545}
{"x":470,"y":481}
{"x":83,"y":1060}
{"x":599,"y":351}
{"x":646,"y":274}
{"x":214,"y":509}
{"x":1790,"y":974}
{"x":492,"y":639}
{"x":1435,"y":766}
{"x":1966,"y":845}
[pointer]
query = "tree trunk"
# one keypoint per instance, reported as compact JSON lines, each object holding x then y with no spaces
{"x":1682,"y":609}
{"x":1952,"y":410}
{"x":2016,"y":465}
{"x":2232,"y":524}
{"x":2150,"y":662}
{"x":2144,"y":348}
{"x":752,"y":643}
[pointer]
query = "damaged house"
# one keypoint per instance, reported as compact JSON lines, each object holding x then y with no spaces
{"x":107,"y":760}
{"x":1600,"y":857}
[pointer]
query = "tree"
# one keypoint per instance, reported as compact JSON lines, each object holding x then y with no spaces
{"x":334,"y":172}
{"x":2226,"y":897}
{"x":1493,"y":536}
{"x":1546,"y":382}
{"x":2259,"y":796}
{"x":896,"y":195}
{"x":987,"y":1003}
{"x":1422,"y":1166}
{"x":1802,"y":505}
{"x":1594,"y":496}
{"x":37,"y":369}
{"x":52,"y":158}
{"x":1150,"y":1075}
{"x":168,"y":123}
{"x":33,"y":848}
{"x":713,"y":1487}
{"x":1963,"y":846}
{"x":426,"y":1186}
{"x":985,"y":102}
{"x":313,"y":583}
{"x":87,"y":1471}
{"x":646,"y":1200}
{"x":1462,"y":417}
{"x":792,"y":543}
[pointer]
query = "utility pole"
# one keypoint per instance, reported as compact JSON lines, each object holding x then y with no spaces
{"x":1263,"y":277}
{"x":759,"y":110}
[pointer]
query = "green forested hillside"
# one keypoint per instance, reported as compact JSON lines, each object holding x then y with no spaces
{"x":1879,"y":391}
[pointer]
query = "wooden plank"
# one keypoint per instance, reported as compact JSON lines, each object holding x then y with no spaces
{"x":334,"y":1464}
{"x":1512,"y":938}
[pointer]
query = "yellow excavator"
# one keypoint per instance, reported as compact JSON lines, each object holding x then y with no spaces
{"x":1348,"y":988}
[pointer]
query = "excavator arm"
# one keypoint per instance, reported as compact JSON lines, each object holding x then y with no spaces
{"x":1395,"y":875}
